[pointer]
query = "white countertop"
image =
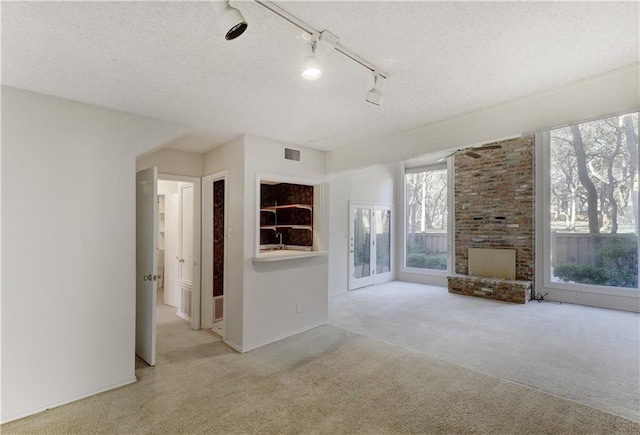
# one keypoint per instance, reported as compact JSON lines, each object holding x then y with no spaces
{"x":286,"y":254}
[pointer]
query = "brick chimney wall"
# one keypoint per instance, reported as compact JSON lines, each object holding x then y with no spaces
{"x":494,"y":204}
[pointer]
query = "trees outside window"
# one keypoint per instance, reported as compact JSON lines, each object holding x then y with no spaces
{"x":594,"y":202}
{"x":426,"y":218}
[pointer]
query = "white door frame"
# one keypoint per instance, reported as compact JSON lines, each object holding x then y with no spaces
{"x":207,"y":249}
{"x":374,"y":278}
{"x":195,"y":289}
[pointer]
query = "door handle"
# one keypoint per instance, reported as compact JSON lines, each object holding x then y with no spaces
{"x":147,"y":277}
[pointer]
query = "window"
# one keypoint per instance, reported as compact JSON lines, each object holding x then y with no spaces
{"x":592,"y":203}
{"x":426,"y":217}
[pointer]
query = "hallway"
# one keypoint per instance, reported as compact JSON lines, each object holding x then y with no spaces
{"x":176,"y":341}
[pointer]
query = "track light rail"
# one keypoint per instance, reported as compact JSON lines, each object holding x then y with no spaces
{"x":311,"y":31}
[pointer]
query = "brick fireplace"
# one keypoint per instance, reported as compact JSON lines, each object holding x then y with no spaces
{"x":494,"y":208}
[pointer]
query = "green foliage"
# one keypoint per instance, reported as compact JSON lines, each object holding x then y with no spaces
{"x":619,"y":257}
{"x":618,"y":265}
{"x":615,"y":263}
{"x":427,"y":261}
{"x":581,"y":273}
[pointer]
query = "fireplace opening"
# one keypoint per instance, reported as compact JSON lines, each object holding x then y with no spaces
{"x":492,"y":263}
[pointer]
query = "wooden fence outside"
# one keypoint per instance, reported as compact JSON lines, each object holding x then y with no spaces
{"x":434,"y":243}
{"x":577,"y":248}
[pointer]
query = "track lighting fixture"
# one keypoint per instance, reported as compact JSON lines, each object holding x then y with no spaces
{"x":321,"y":43}
{"x":229,"y":19}
{"x":311,"y":67}
{"x":374,"y":96}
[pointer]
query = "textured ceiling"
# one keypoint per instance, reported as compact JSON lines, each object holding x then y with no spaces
{"x":167,"y":60}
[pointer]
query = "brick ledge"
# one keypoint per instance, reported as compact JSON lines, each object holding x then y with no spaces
{"x":489,"y":279}
{"x":490,"y":288}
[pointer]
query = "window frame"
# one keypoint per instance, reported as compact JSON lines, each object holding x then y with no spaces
{"x":569,"y":292}
{"x":448,"y":165}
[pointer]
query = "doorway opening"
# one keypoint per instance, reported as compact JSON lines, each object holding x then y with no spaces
{"x":176,"y":201}
{"x":167,"y":255}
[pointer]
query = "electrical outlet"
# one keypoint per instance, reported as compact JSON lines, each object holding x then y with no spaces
{"x":298,"y":308}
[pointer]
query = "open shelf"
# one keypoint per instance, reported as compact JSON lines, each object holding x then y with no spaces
{"x":293,"y":227}
{"x":274,"y":208}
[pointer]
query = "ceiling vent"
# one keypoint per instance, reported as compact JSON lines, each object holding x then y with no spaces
{"x":291,"y":154}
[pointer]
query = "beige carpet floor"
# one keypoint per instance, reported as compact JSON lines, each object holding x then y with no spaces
{"x":586,"y":354}
{"x":327,"y":380}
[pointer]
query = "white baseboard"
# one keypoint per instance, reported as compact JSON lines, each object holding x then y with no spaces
{"x":281,"y":337}
{"x":64,"y":402}
{"x":183,"y":315}
{"x":233,"y":345}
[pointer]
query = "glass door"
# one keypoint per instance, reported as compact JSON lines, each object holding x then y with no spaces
{"x":369,"y":245}
{"x":382,"y":219}
{"x":360,"y":248}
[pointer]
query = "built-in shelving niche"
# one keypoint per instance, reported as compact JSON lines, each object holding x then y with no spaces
{"x":287,"y":213}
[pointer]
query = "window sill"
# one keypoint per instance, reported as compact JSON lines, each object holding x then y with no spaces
{"x":593,"y":289}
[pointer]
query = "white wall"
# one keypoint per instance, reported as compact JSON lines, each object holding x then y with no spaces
{"x":260,"y":299}
{"x":166,"y":187}
{"x":611,"y":93}
{"x":230,"y":157}
{"x":272,"y":289}
{"x":68,"y":285}
{"x":173,"y":162}
{"x":369,"y":185}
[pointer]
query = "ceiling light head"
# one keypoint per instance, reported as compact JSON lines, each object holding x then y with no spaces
{"x":374,"y":96}
{"x":230,"y":20}
{"x":311,"y":67}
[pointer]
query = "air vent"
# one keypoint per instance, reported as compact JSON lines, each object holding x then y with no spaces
{"x":185,"y":302}
{"x":291,"y":154}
